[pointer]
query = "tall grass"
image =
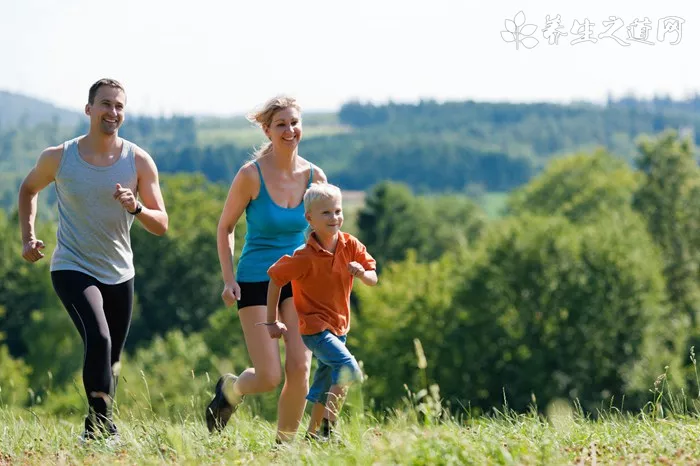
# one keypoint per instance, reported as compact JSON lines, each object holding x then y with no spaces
{"x":421,"y":431}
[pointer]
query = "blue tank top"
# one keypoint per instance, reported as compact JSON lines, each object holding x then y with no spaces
{"x":272,"y":231}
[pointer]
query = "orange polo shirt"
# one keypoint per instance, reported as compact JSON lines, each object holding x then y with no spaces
{"x":321,"y":283}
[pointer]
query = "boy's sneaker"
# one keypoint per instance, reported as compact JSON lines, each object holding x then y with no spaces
{"x":222,"y":406}
{"x":312,"y":437}
{"x":327,"y":428}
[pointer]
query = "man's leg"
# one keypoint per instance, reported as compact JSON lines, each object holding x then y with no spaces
{"x":83,"y":301}
{"x":118,"y":307}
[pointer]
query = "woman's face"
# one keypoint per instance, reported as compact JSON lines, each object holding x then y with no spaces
{"x":285,"y":128}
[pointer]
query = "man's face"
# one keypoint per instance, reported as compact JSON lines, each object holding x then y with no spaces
{"x":107,"y":111}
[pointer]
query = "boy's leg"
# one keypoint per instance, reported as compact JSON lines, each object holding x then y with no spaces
{"x":336,"y":397}
{"x":317,"y":412}
{"x":320,"y":386}
{"x":331,"y":351}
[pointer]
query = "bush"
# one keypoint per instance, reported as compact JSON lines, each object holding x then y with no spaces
{"x":541,"y":307}
{"x":13,"y":379}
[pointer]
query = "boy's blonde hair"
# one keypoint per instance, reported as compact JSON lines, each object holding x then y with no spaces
{"x":321,"y":191}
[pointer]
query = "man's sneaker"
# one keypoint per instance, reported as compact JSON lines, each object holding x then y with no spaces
{"x":220,"y":409}
{"x":109,"y":434}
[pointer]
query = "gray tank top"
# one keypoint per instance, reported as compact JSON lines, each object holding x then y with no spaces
{"x":93,"y":227}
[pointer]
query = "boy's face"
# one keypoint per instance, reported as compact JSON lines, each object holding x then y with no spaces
{"x":326,"y":216}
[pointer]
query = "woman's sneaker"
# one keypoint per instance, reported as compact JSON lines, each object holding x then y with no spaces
{"x":220,"y":409}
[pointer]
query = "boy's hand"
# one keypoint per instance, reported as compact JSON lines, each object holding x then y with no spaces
{"x":276,"y":330}
{"x":356,"y":269}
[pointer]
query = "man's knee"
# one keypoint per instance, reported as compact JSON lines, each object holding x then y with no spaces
{"x":99,"y":342}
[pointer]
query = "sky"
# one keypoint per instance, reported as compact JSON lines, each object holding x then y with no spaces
{"x":226,"y":57}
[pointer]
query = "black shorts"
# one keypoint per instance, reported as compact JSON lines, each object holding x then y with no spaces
{"x":255,"y":293}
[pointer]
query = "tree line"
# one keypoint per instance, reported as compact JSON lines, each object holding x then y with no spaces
{"x":433,"y":147}
{"x":586,"y":289}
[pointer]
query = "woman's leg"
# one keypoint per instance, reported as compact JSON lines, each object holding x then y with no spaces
{"x":264,"y":376}
{"x":297,"y":367}
{"x":264,"y":352}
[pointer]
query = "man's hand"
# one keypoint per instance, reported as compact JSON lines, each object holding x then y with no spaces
{"x":126,"y":198}
{"x":32,"y":250}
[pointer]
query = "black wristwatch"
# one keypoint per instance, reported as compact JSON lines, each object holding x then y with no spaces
{"x":139,"y":208}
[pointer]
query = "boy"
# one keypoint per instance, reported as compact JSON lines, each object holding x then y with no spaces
{"x":322,"y":273}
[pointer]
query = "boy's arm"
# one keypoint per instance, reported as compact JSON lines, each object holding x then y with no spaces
{"x":369,"y":265}
{"x":369,"y":278}
{"x":357,"y":270}
{"x":274,"y":327}
{"x":273,"y":299}
{"x":286,"y":269}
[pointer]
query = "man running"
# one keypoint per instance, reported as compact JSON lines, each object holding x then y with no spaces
{"x":97,"y":177}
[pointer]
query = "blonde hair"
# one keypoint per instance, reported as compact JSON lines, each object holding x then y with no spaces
{"x":263,"y":117}
{"x":319,"y":191}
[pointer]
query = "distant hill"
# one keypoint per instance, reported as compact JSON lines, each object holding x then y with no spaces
{"x":21,"y":110}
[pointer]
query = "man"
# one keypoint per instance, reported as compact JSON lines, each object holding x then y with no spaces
{"x":98,"y":177}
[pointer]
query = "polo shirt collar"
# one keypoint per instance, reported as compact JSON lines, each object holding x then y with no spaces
{"x":313,"y":242}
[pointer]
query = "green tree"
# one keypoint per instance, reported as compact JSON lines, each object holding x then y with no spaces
{"x":13,"y":379}
{"x":541,"y":307}
{"x":669,"y":200}
{"x":394,"y":221}
{"x":178,"y":282}
{"x":389,"y":222}
{"x":580,"y":187}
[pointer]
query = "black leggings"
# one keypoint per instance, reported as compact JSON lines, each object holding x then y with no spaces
{"x":102,"y":315}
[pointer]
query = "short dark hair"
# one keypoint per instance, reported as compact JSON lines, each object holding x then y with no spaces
{"x":103,"y":82}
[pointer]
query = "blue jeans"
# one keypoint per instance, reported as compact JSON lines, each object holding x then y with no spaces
{"x":335,"y":364}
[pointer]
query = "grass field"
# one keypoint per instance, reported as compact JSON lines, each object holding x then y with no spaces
{"x":563,"y":438}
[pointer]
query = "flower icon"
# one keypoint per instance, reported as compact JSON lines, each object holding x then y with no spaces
{"x":519,"y":32}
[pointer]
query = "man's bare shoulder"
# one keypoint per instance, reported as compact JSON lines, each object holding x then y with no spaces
{"x":49,"y":160}
{"x":140,"y":153}
{"x":53,"y":153}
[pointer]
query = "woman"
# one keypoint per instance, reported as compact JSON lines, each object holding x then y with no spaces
{"x":269,"y":190}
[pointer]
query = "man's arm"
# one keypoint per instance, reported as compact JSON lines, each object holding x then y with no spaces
{"x":43,"y":173}
{"x":153,"y":217}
